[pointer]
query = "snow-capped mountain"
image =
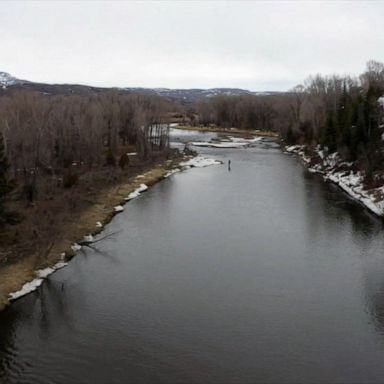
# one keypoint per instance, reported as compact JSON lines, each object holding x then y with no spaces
{"x":7,"y":80}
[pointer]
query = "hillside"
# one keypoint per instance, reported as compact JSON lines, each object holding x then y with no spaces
{"x":185,"y":96}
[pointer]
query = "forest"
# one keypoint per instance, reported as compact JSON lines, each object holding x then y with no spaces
{"x":339,"y":113}
{"x":49,"y":142}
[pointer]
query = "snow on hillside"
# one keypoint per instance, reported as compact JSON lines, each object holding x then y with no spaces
{"x":7,"y":80}
{"x":194,"y":94}
{"x":184,"y":95}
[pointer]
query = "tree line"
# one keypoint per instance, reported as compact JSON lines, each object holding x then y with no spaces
{"x":47,"y":141}
{"x":339,"y":113}
{"x":243,"y":112}
{"x":342,"y":114}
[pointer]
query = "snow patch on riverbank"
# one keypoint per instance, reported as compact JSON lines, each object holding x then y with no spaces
{"x":334,"y":169}
{"x":89,"y":238}
{"x":218,"y":145}
{"x":142,"y":188}
{"x":200,"y":162}
{"x":299,"y":150}
{"x":172,"y":171}
{"x":227,"y":142}
{"x":246,"y":141}
{"x":76,"y":247}
{"x":41,"y":275}
{"x":352,"y":183}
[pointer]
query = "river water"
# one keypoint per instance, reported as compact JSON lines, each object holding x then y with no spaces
{"x":264,"y":274}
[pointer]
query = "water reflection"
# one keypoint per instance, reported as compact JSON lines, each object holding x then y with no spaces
{"x":373,"y":281}
{"x":341,"y":210}
{"x":366,"y":233}
{"x":8,"y":329}
{"x":37,"y":315}
{"x":52,"y":304}
{"x":264,"y":275}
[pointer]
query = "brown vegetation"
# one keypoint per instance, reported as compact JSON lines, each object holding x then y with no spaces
{"x":52,"y":226}
{"x":66,"y":159}
{"x":69,"y":159}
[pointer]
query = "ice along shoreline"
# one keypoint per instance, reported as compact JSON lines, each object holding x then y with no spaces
{"x":341,"y":173}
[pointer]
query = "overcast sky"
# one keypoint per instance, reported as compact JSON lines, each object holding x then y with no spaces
{"x":256,"y":45}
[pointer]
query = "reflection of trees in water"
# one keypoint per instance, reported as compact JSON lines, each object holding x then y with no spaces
{"x":375,"y":303}
{"x":97,"y":247}
{"x":52,"y":307}
{"x":52,"y":303}
{"x":8,"y":327}
{"x":41,"y":310}
{"x":39,"y":314}
{"x":342,"y":213}
{"x":327,"y":206}
{"x":373,"y":283}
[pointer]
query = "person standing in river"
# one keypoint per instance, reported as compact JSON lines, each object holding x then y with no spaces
{"x":229,"y":165}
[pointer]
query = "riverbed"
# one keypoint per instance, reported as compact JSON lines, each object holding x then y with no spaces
{"x":258,"y":274}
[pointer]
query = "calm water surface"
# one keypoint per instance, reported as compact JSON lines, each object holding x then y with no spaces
{"x":264,"y":274}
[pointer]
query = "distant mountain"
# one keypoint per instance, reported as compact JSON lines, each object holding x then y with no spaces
{"x":6,"y":80}
{"x":184,"y":96}
{"x":195,"y":94}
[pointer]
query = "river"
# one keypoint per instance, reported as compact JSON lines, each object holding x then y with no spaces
{"x":261,"y":274}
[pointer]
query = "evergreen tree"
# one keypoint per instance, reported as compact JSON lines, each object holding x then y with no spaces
{"x":329,"y":138}
{"x":374,"y":142}
{"x":346,"y":117}
{"x":290,"y":136}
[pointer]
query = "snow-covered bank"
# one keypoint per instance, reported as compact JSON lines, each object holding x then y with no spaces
{"x":228,"y":142}
{"x":193,"y":162}
{"x":149,"y":177}
{"x":142,"y":188}
{"x":199,"y":162}
{"x":40,"y":274}
{"x":334,"y":169}
{"x":217,"y":145}
{"x":172,"y":172}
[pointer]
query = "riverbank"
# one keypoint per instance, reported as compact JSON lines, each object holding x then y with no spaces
{"x":345,"y":175}
{"x":59,"y":229}
{"x":230,"y":131}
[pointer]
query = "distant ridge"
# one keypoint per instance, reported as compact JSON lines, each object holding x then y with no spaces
{"x":7,"y":81}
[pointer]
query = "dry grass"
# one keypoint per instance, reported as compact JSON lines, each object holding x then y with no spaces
{"x":12,"y":277}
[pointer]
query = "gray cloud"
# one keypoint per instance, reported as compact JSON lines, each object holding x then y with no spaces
{"x":255,"y":45}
